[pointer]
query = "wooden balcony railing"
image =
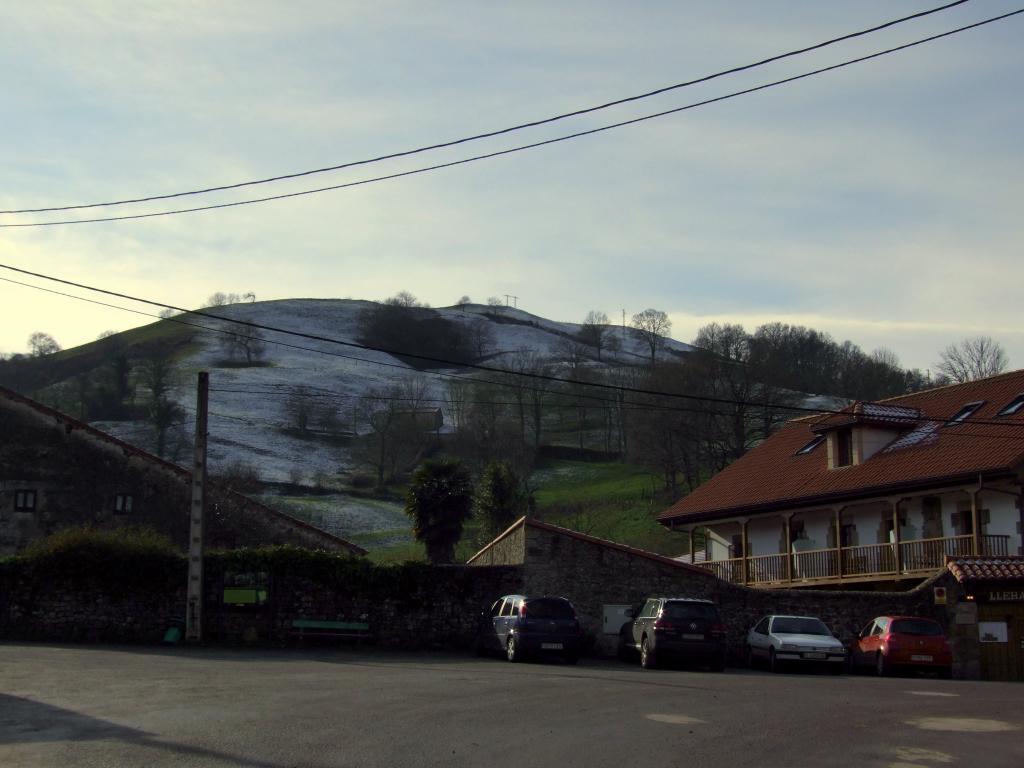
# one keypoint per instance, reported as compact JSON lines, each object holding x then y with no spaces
{"x":918,"y":556}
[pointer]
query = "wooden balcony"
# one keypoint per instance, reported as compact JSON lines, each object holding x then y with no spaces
{"x":871,"y":562}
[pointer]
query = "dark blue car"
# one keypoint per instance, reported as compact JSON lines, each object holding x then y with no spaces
{"x":518,"y":626}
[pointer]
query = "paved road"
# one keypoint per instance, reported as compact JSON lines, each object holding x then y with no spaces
{"x":88,"y":706}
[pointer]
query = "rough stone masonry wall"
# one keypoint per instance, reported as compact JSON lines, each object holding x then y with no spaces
{"x":592,"y":575}
{"x":509,"y":550}
{"x":417,"y":606}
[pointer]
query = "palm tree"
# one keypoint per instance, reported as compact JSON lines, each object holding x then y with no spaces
{"x":439,"y":501}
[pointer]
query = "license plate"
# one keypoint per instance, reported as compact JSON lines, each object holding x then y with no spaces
{"x":815,"y":656}
{"x":551,"y":646}
{"x":693,"y":637}
{"x":920,"y":657}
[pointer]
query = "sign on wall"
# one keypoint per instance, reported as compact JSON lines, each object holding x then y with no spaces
{"x":992,"y":631}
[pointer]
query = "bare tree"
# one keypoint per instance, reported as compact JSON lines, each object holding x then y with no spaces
{"x":40,"y":344}
{"x":221,"y":299}
{"x":481,"y":336}
{"x":572,"y":351}
{"x":159,"y":375}
{"x":244,"y":341}
{"x":973,"y":358}
{"x":495,"y":301}
{"x":654,"y":326}
{"x":300,"y":407}
{"x":594,"y":330}
{"x":463,"y":301}
{"x":399,"y":434}
{"x":403,"y":299}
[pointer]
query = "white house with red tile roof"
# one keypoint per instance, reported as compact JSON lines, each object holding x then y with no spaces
{"x":879,"y":492}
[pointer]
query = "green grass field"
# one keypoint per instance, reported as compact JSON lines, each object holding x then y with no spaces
{"x":610,"y":500}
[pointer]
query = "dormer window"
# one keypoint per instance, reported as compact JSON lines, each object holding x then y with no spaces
{"x":844,"y":447}
{"x":1012,"y":407}
{"x":815,"y":442}
{"x":964,"y":413}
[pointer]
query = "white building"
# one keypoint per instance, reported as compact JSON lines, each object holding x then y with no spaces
{"x":882,"y":492}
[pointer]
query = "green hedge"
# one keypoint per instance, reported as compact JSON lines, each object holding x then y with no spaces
{"x":138,"y":559}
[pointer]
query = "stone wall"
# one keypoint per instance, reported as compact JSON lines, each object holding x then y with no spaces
{"x":406,"y":606}
{"x":592,"y":574}
{"x":509,"y":549}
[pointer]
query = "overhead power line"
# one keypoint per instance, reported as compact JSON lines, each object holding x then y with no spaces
{"x":521,"y":148}
{"x":501,"y":131}
{"x":618,"y":388}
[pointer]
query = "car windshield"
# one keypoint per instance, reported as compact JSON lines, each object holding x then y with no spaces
{"x":682,"y":610}
{"x":920,"y":627}
{"x":546,"y":608}
{"x":796,"y":625}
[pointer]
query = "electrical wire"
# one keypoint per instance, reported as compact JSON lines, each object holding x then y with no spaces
{"x":502,"y":131}
{"x":621,"y":389}
{"x":521,"y":148}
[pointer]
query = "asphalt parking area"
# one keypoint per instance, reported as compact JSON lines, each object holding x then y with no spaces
{"x":99,"y":706}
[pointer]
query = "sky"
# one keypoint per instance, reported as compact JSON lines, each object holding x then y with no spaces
{"x":880,"y":203}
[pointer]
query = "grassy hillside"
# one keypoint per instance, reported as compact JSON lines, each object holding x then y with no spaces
{"x":613,"y":501}
{"x":35,"y":374}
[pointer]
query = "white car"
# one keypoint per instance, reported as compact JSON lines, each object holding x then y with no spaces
{"x":777,"y":640}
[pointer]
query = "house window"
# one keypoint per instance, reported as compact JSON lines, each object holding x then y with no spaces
{"x":815,"y":442}
{"x":1012,"y":407}
{"x":123,"y":503}
{"x":844,"y":447}
{"x":964,"y":413}
{"x":24,"y":501}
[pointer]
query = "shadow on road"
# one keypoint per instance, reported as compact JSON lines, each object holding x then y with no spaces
{"x":26,"y":721}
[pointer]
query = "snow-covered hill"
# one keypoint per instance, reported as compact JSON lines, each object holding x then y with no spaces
{"x":249,"y":405}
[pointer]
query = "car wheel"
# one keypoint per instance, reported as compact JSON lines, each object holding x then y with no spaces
{"x":774,"y":665}
{"x":882,"y":667}
{"x":945,"y":673}
{"x":647,"y":660}
{"x":512,"y":651}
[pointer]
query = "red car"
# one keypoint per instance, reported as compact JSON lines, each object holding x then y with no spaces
{"x":910,"y":642}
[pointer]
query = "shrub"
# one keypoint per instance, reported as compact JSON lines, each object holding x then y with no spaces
{"x":122,"y":559}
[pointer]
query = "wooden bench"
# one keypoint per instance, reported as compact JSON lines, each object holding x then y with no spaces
{"x":303,"y":628}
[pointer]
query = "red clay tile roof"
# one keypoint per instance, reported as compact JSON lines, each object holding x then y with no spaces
{"x":772,"y":476}
{"x":986,"y":568}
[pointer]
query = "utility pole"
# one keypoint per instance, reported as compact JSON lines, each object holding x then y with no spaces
{"x":194,"y":607}
{"x":515,"y":300}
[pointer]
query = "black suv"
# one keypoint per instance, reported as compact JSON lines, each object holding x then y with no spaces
{"x":517,"y":625}
{"x":684,"y":628}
